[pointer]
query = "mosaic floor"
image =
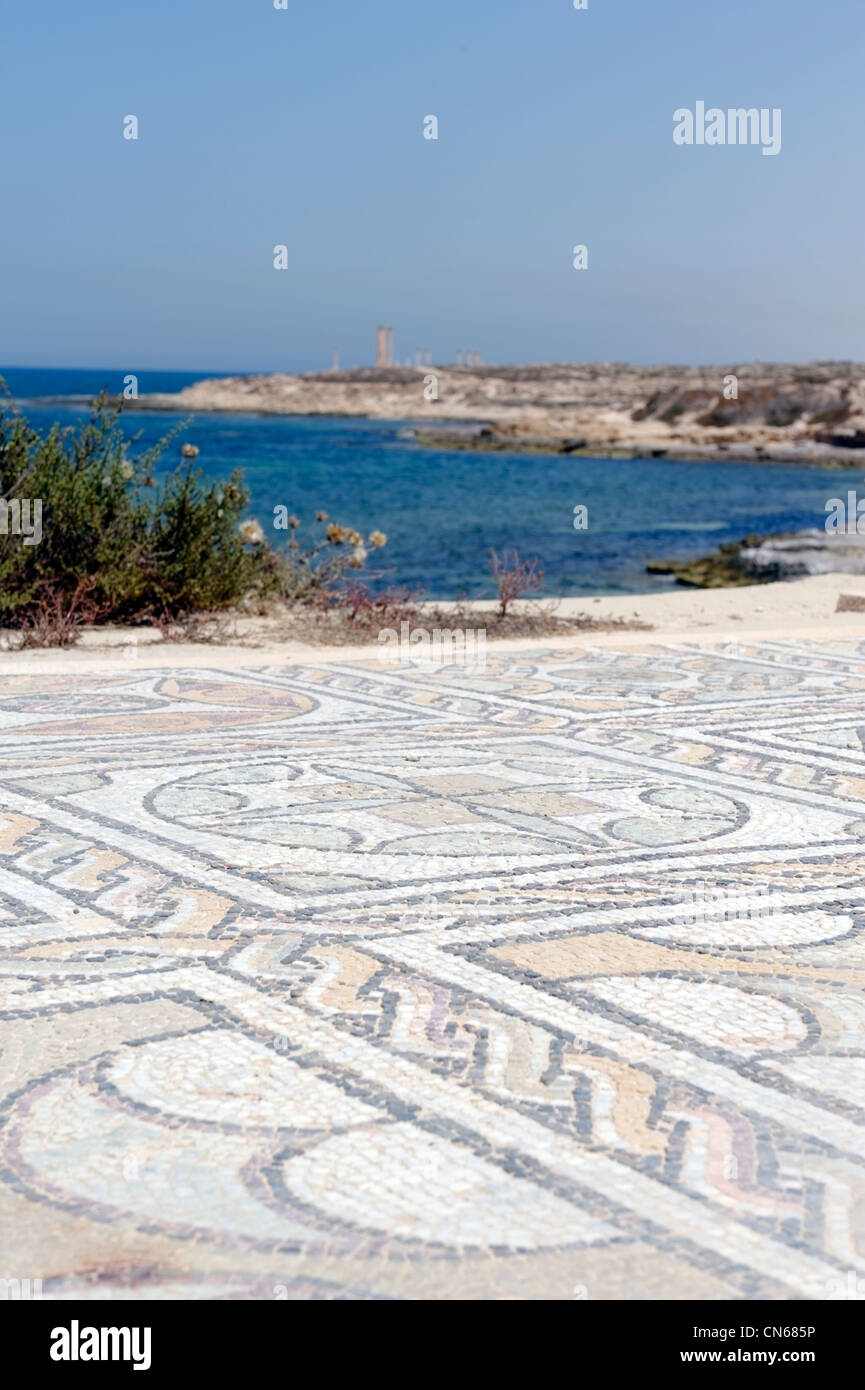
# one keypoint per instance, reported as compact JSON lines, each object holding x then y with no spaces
{"x":356,"y":982}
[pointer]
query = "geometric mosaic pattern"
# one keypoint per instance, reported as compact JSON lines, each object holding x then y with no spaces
{"x":355,"y":982}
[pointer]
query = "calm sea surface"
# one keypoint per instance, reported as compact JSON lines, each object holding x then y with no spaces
{"x":442,"y":510}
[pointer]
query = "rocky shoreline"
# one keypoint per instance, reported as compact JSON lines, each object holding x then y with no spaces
{"x":813,"y":413}
{"x":489,"y":439}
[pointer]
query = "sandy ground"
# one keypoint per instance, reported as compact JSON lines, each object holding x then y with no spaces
{"x":797,"y":608}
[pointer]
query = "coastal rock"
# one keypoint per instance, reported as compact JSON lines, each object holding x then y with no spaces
{"x":766,"y":559}
{"x":807,"y":552}
{"x":843,"y":439}
{"x":812,"y":414}
{"x":721,"y":570}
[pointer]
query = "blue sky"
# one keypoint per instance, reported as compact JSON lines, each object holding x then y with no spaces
{"x":304,"y":127}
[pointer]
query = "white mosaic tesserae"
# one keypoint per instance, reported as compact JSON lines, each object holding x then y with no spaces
{"x":380,"y":981}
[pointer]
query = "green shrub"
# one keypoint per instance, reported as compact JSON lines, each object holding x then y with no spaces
{"x":136,"y":547}
{"x":118,"y":545}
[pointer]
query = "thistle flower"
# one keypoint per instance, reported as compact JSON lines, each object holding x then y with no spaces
{"x":293,"y":522}
{"x":377,"y":539}
{"x":336,"y":534}
{"x":358,"y":555}
{"x":321,"y":516}
{"x":189,"y":451}
{"x":251,"y":532}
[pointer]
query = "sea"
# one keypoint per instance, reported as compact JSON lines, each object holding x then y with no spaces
{"x":443,"y":510}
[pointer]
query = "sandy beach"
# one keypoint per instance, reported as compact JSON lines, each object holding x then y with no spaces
{"x":796,"y":608}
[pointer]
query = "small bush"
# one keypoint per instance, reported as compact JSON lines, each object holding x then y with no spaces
{"x":118,"y":545}
{"x":369,"y":610}
{"x":316,"y":570}
{"x":514,"y":578}
{"x":57,"y":617}
{"x":136,"y":547}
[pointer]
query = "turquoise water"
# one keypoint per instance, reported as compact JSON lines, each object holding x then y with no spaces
{"x":442,"y":510}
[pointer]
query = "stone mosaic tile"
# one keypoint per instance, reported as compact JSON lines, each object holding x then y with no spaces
{"x":543,"y":981}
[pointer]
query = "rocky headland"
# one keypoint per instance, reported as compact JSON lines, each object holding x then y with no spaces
{"x":808,"y":413}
